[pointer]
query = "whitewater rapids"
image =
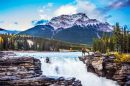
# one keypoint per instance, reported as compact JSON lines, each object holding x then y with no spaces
{"x":68,"y":65}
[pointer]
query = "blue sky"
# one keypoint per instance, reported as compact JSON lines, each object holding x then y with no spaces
{"x":24,"y":14}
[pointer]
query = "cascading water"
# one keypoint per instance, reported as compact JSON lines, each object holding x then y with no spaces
{"x":68,"y":65}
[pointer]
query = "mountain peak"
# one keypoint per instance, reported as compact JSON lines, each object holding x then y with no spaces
{"x":81,"y":19}
{"x":66,"y":21}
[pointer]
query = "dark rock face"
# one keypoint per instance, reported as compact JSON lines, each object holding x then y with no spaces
{"x":106,"y":67}
{"x":47,"y":60}
{"x":26,"y":71}
{"x":39,"y":81}
{"x":22,"y":67}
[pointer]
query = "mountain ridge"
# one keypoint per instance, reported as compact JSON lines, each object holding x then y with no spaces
{"x":67,"y":21}
{"x":4,"y":31}
{"x":74,"y":28}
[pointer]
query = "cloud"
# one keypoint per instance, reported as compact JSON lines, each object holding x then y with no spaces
{"x":39,"y":22}
{"x":82,"y":6}
{"x":1,"y":21}
{"x":117,"y":4}
{"x":67,"y":9}
{"x":21,"y":26}
{"x":45,"y":17}
{"x":48,"y":9}
{"x":40,"y":10}
{"x":34,"y":22}
{"x":50,"y":4}
{"x":109,"y":16}
{"x":15,"y":22}
{"x":44,"y":7}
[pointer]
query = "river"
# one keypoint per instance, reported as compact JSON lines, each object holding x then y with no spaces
{"x":67,"y":64}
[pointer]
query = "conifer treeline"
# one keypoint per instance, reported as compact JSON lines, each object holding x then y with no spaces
{"x":21,"y":42}
{"x":119,"y":42}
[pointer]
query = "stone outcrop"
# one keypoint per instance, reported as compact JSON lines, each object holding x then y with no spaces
{"x":22,"y":67}
{"x":26,"y":71}
{"x":105,"y":66}
{"x":39,"y":81}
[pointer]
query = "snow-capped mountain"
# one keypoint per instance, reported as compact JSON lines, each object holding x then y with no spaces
{"x":76,"y":28}
{"x":81,"y":19}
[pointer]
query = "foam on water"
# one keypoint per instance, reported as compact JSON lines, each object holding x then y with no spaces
{"x":68,"y":65}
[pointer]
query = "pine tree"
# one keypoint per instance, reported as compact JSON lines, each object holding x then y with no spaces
{"x":94,"y":45}
{"x":107,"y":39}
{"x":127,"y":42}
{"x":1,"y":43}
{"x":103,"y":37}
{"x":16,"y":45}
{"x":117,"y":37}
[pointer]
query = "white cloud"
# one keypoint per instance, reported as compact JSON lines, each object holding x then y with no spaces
{"x":44,"y":7}
{"x":118,"y":4}
{"x":48,"y":9}
{"x":68,"y":9}
{"x":90,"y":10}
{"x":81,"y":6}
{"x":40,"y":10}
{"x":50,"y":4}
{"x":45,"y":17}
{"x":21,"y":26}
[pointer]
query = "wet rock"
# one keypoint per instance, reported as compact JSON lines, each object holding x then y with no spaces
{"x":128,"y":77}
{"x":127,"y":83}
{"x":8,"y":78}
{"x":106,"y":67}
{"x":47,"y":60}
{"x":70,"y":79}
{"x":61,"y":79}
{"x":57,"y":70}
{"x":40,"y":81}
{"x":97,"y":54}
{"x":91,"y":69}
{"x":22,"y":67}
{"x":26,"y":71}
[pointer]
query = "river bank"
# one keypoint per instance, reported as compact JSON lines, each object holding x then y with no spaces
{"x":26,"y":71}
{"x":54,"y":66}
{"x":105,"y":66}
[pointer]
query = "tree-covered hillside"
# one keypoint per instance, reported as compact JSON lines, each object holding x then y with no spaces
{"x":40,"y":30}
{"x":24,"y":42}
{"x":77,"y":34}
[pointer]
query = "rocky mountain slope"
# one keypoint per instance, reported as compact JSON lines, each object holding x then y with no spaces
{"x":40,"y":30}
{"x":81,"y":19}
{"x":76,"y":28}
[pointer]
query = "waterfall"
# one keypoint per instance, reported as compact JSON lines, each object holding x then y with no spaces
{"x":73,"y":67}
{"x":68,"y":65}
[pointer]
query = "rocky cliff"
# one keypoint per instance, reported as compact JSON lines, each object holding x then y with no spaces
{"x":26,"y":71}
{"x":81,"y":19}
{"x":104,"y":66}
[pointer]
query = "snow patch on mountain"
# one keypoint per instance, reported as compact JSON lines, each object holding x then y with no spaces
{"x":81,"y":19}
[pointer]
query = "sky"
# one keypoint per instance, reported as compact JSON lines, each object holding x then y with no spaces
{"x":24,"y":14}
